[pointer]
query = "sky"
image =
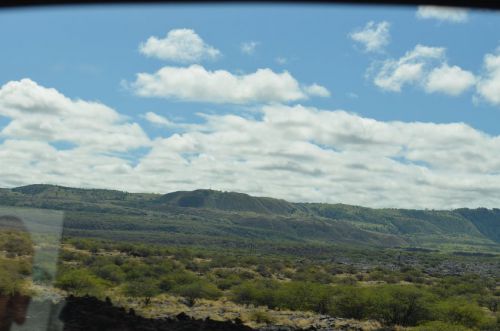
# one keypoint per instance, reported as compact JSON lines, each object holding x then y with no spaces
{"x":372,"y":106}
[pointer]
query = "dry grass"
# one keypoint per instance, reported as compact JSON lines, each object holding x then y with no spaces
{"x":168,"y":306}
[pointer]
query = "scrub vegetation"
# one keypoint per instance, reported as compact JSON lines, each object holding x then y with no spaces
{"x":264,"y":256}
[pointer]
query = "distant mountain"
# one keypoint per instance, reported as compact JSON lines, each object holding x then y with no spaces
{"x":69,"y":193}
{"x":209,"y":217}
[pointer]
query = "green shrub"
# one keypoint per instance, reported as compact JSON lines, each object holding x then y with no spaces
{"x":261,"y":316}
{"x":400,"y":305}
{"x":110,"y":272}
{"x":178,"y":278}
{"x":303,"y":296}
{"x":463,"y":312}
{"x":142,"y":288}
{"x":80,"y":282}
{"x":10,"y":282}
{"x":199,"y":289}
{"x":349,"y":302}
{"x":262,"y":293}
{"x":228,"y":282}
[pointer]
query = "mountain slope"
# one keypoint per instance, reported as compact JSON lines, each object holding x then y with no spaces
{"x":228,"y":201}
{"x":208,"y":216}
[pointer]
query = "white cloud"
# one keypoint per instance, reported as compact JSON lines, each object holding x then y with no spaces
{"x":410,"y":68}
{"x":297,"y":153}
{"x":34,"y":161}
{"x":306,"y":154}
{"x":249,"y":47}
{"x":195,"y":83}
{"x":317,"y":90}
{"x":448,"y":14}
{"x":374,"y":36}
{"x":449,"y":80}
{"x":44,"y":114}
{"x":180,"y":45}
{"x":488,"y":86}
{"x":425,"y":67}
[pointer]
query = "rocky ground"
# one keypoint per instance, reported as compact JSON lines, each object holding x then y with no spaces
{"x":260,"y":318}
{"x":91,"y":314}
{"x":167,"y":312}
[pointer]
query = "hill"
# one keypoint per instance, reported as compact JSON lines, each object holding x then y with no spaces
{"x":229,"y":219}
{"x":228,"y":201}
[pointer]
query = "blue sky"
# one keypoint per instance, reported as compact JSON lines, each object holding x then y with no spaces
{"x":86,"y":51}
{"x":93,"y":54}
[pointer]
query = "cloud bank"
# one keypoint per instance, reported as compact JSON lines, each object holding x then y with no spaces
{"x":293,"y":152}
{"x":45,"y":115}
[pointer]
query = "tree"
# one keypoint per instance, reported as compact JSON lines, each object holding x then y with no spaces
{"x":461,"y":311}
{"x":80,"y":282}
{"x":400,"y":305}
{"x":142,"y":288}
{"x":199,"y":289}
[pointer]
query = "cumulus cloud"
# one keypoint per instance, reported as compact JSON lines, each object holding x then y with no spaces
{"x":195,"y":83}
{"x":374,"y":36}
{"x":305,"y":154}
{"x":488,"y":86}
{"x":34,"y":161}
{"x":425,"y":67}
{"x":447,"y":14}
{"x":248,"y":47}
{"x":179,"y":45}
{"x":293,"y":152}
{"x":410,"y":68}
{"x":449,"y":80}
{"x":44,"y":114}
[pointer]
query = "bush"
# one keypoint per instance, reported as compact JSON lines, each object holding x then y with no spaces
{"x":261,"y":316}
{"x":199,"y":289}
{"x":303,"y":296}
{"x":18,"y":245}
{"x":316,"y":275}
{"x":228,"y":281}
{"x":401,"y":305}
{"x":349,"y":302}
{"x":142,"y":288}
{"x":262,"y":293}
{"x":178,"y":278}
{"x":491,"y":302}
{"x":460,"y":311}
{"x":80,"y":282}
{"x":110,"y":272}
{"x":471,"y":285}
{"x":10,"y":282}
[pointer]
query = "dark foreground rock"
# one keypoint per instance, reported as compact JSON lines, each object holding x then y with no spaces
{"x":91,"y":314}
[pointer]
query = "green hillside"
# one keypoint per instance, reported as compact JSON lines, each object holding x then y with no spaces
{"x":229,"y":201}
{"x":208,"y":217}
